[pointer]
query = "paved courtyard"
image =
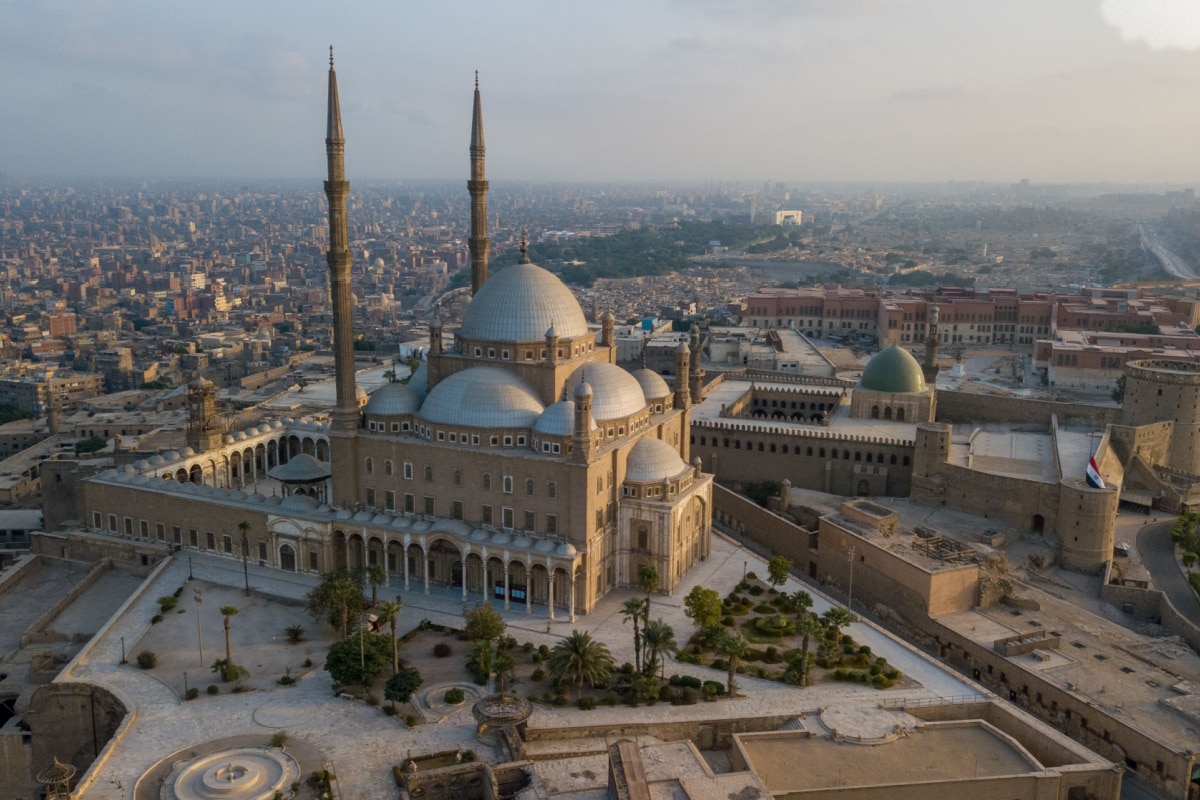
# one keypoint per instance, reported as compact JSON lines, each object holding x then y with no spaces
{"x":359,"y":741}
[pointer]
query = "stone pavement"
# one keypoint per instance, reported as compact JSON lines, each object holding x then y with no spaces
{"x":361,"y":744}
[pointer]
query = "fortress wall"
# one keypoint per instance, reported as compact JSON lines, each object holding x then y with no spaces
{"x":966,"y":407}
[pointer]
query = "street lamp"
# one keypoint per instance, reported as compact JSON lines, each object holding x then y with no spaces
{"x":185,"y":686}
{"x":123,"y":661}
{"x":850,"y":594}
{"x":196,"y":595}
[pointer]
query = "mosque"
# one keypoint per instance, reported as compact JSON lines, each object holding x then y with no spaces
{"x":519,"y":463}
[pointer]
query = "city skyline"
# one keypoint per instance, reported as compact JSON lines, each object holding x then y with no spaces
{"x":670,"y":91}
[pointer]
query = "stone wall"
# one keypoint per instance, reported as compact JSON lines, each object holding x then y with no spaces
{"x":73,"y":722}
{"x":706,"y":734}
{"x":38,"y":632}
{"x":967,"y":407}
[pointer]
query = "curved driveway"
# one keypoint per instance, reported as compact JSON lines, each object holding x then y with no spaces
{"x":1158,"y":555}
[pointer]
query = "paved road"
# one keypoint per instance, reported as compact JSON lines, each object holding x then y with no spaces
{"x":1158,"y":555}
{"x":1173,"y":264}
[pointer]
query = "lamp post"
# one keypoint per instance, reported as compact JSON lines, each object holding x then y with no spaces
{"x":850,"y":593}
{"x":744,"y":564}
{"x":185,"y":686}
{"x":196,"y":595}
{"x":189,"y":568}
{"x":123,"y":661}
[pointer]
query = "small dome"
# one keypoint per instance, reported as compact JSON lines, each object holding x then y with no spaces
{"x":187,"y":452}
{"x":652,"y":460}
{"x":615,"y":392}
{"x":363,"y":516}
{"x":392,"y":399}
{"x":653,"y":386}
{"x":518,"y":304}
{"x":558,"y":419}
{"x":227,"y":439}
{"x":299,"y":502}
{"x":584,"y":389}
{"x":156,"y":461}
{"x":566,"y":550}
{"x":300,"y":468}
{"x":544,"y":546}
{"x":893,"y":370}
{"x":360,"y":394}
{"x":522,"y":542}
{"x":483,"y":397}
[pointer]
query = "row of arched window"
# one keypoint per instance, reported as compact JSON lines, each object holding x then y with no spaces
{"x":811,"y":452}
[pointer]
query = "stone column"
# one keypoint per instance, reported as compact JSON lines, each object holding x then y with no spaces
{"x":550,"y":590}
{"x":571,"y":600}
{"x":528,"y":586}
{"x":487,"y":588}
{"x":466,"y":552}
{"x":507,"y":584}
{"x":425,"y":557}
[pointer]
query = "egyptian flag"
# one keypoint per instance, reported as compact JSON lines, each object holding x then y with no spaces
{"x":1093,"y":474}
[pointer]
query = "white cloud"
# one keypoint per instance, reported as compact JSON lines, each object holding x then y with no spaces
{"x":1161,"y":24}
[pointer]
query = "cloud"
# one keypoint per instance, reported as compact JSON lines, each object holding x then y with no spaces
{"x":1159,"y":24}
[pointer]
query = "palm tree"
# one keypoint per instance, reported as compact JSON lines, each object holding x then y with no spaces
{"x":809,"y":627}
{"x":835,"y":619}
{"x":733,"y":647}
{"x":388,"y":612}
{"x":802,"y":601}
{"x":578,"y":658}
{"x":227,"y":612}
{"x":633,"y":611}
{"x":376,"y":576}
{"x":659,"y":638}
{"x":342,"y":591}
{"x":647,"y":577}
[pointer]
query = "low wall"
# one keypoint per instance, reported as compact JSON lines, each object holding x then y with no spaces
{"x":1152,"y":605}
{"x":13,"y":575}
{"x":968,"y":407}
{"x":706,"y":734}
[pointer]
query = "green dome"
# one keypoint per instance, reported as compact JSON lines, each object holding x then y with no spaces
{"x":893,"y":370}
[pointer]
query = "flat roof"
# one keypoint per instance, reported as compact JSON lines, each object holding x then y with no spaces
{"x":928,"y":753}
{"x":1001,"y":452}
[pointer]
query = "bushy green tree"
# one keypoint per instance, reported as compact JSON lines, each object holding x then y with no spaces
{"x":359,"y":659}
{"x":401,"y":686}
{"x":778,"y":569}
{"x":338,"y":598}
{"x":703,"y":606}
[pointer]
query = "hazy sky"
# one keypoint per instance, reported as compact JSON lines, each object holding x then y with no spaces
{"x":1051,"y":90}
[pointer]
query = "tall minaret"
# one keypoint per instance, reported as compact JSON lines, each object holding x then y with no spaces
{"x":345,"y":413}
{"x":479,"y":243}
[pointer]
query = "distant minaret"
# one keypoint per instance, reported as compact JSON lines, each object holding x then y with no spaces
{"x":345,"y":413}
{"x":930,"y":367}
{"x":479,"y":243}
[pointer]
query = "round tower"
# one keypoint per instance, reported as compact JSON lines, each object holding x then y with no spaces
{"x":1160,"y":390}
{"x":1086,"y":520}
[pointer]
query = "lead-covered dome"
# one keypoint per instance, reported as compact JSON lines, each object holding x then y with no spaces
{"x":483,"y":397}
{"x":653,"y":386}
{"x":520,"y":304}
{"x":652,"y":460}
{"x":392,"y":399}
{"x":615,"y":393}
{"x":893,"y":370}
{"x":558,"y":420}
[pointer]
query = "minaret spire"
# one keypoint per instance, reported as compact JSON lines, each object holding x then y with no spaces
{"x":345,"y":413}
{"x":477,"y":186}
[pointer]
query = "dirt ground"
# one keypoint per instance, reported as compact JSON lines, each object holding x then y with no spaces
{"x":256,"y":634}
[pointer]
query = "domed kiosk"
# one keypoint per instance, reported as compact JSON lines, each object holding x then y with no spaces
{"x":893,"y":388}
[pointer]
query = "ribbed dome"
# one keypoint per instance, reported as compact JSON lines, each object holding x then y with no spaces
{"x":615,"y":393}
{"x":483,"y":397}
{"x":520,"y":304}
{"x":653,"y":460}
{"x":393,"y":398}
{"x":558,"y":419}
{"x":893,"y":370}
{"x":653,"y":386}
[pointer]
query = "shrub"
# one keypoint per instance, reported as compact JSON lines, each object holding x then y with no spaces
{"x":750,"y":576}
{"x":538,"y":674}
{"x":372,"y":700}
{"x":543,"y":652}
{"x":147,"y":659}
{"x":626,"y":669}
{"x":665,"y":693}
{"x":753,"y":654}
{"x":441,"y":650}
{"x":558,"y":700}
{"x":713,"y":689}
{"x":167,"y":603}
{"x":527,"y":648}
{"x":411,"y":720}
{"x":587,"y":703}
{"x":891,"y":674}
{"x":157,"y":618}
{"x":294,"y":634}
{"x":719,"y":663}
{"x":610,"y":698}
{"x":307,"y":662}
{"x":279,"y":738}
{"x":743,"y":586}
{"x":727,"y":620}
{"x":193,"y":693}
{"x":468,"y":756}
{"x":177,"y":592}
{"x":454,"y":696}
{"x":772,"y":656}
{"x":764,"y":608}
{"x":213,"y":689}
{"x":686,"y":696}
{"x":756,"y":590}
{"x":286,"y":680}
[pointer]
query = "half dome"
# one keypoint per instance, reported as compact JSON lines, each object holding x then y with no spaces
{"x":392,"y":399}
{"x":893,"y":370}
{"x":558,"y":419}
{"x":652,"y":460}
{"x":653,"y":385}
{"x":615,"y":392}
{"x":520,"y":304}
{"x":483,"y":397}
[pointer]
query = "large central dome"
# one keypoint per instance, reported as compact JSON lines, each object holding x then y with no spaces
{"x":520,"y":304}
{"x":893,"y":370}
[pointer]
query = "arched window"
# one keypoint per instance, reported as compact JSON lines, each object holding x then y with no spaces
{"x":887,"y":413}
{"x":874,"y":412}
{"x":387,"y":467}
{"x":857,"y":456}
{"x":906,"y":461}
{"x":808,"y":452}
{"x":893,"y":460}
{"x":370,"y":466}
{"x":900,"y":415}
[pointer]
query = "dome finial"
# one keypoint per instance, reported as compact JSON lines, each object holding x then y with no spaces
{"x":477,"y":80}
{"x":331,"y":57}
{"x":524,"y":248}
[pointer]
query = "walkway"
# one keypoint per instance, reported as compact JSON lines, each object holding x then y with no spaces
{"x":1158,"y":555}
